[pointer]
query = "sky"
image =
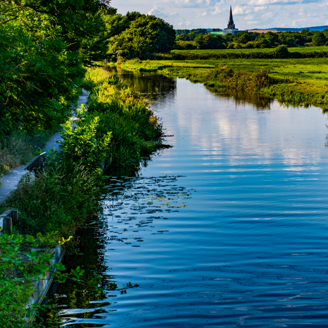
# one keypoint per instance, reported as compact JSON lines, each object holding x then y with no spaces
{"x":248,"y":14}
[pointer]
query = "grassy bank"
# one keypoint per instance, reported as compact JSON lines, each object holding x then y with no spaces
{"x":265,"y":53}
{"x":322,"y":49}
{"x":293,"y":81}
{"x":115,"y":133}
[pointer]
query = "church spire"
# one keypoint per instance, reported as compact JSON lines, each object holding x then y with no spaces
{"x":231,"y":24}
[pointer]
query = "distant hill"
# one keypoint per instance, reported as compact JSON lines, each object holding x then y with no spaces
{"x":291,"y":29}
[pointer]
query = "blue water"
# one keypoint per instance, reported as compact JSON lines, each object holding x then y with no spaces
{"x":228,"y":228}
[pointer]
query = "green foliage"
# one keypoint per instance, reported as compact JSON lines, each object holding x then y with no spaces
{"x":43,"y":45}
{"x":254,"y":40}
{"x":280,"y":52}
{"x":210,"y":42}
{"x":291,"y":81}
{"x":319,"y":39}
{"x":37,"y":81}
{"x":189,"y":35}
{"x":185,"y":45}
{"x":122,"y":111}
{"x":146,"y":34}
{"x":24,"y":261}
{"x":82,"y":144}
{"x":57,"y":200}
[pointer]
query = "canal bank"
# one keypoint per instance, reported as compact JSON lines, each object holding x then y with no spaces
{"x":64,"y":196}
{"x":227,"y":228}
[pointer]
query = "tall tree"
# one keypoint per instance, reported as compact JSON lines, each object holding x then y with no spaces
{"x":43,"y":46}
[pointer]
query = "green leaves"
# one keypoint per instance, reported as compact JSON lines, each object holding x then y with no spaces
{"x":145,"y":34}
{"x":83,"y":144}
{"x":43,"y":45}
{"x":21,"y":266}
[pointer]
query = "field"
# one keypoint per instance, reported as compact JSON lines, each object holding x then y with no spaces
{"x":294,"y":81}
{"x":228,"y":51}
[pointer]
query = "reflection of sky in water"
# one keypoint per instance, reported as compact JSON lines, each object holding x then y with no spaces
{"x":215,"y":127}
{"x":239,"y":239}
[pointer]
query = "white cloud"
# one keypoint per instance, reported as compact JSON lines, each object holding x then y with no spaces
{"x":256,"y":9}
{"x":202,"y":14}
{"x":157,"y":11}
{"x":190,"y":3}
{"x":252,"y":23}
{"x":242,"y":10}
{"x":265,"y":13}
{"x":186,"y":24}
{"x":268,"y":15}
{"x":217,"y":10}
{"x":249,"y":18}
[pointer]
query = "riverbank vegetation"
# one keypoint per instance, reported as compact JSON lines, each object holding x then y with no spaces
{"x":117,"y":130}
{"x":290,"y":80}
{"x":46,"y":56}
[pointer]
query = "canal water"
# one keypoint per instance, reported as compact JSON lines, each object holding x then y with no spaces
{"x":227,"y":228}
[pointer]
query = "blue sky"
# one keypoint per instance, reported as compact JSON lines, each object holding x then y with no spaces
{"x":247,"y":13}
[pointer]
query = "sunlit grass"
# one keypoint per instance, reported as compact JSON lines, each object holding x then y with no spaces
{"x":228,"y":51}
{"x":304,"y":80}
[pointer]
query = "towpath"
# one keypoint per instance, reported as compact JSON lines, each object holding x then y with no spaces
{"x":9,"y":181}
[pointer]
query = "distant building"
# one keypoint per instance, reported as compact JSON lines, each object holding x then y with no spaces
{"x":231,"y":28}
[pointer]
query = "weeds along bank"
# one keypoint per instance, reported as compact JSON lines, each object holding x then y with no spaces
{"x":112,"y":135}
{"x":290,"y":81}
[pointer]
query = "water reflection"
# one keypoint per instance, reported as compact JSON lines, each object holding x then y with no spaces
{"x":161,"y":88}
{"x":154,"y":86}
{"x":239,"y":240}
{"x":258,"y":101}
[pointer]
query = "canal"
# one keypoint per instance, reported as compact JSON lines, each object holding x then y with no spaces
{"x":227,"y":228}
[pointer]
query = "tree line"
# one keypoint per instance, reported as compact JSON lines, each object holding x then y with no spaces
{"x":200,"y":39}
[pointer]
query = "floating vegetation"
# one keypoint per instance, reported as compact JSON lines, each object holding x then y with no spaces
{"x":138,"y":201}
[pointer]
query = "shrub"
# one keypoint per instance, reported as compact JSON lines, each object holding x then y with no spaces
{"x":124,"y":112}
{"x":82,"y":144}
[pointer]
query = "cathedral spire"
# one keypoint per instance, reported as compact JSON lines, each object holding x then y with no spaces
{"x":231,"y":24}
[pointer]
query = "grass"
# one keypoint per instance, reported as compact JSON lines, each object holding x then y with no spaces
{"x":116,"y":131}
{"x":302,"y":81}
{"x":228,"y":51}
{"x":154,"y":65}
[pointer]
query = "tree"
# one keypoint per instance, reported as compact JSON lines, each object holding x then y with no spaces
{"x":43,"y":46}
{"x":146,"y":34}
{"x":319,"y":39}
{"x":209,"y":41}
{"x":242,"y":37}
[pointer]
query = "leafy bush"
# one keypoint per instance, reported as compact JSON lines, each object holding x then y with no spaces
{"x":145,"y":34}
{"x":124,"y":113}
{"x":240,"y":80}
{"x":82,"y":145}
{"x":185,"y":45}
